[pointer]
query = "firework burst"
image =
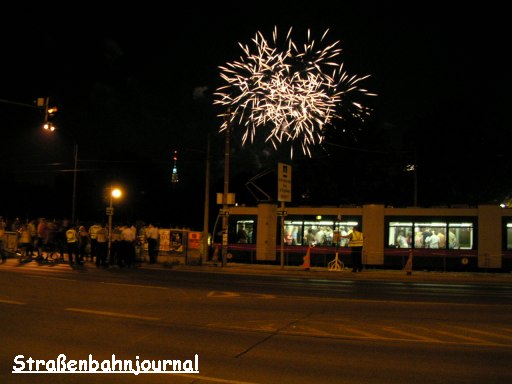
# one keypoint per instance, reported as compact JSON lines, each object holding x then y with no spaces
{"x":290,"y":93}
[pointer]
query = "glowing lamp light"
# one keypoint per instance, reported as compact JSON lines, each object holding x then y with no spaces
{"x":49,"y":126}
{"x":52,"y":110}
{"x":116,"y":193}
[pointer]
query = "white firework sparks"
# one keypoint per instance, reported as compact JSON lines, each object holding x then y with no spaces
{"x":290,"y":93}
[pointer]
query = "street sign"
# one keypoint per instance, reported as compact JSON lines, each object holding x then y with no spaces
{"x":110,"y":211}
{"x":230,"y":198}
{"x":284,"y":182}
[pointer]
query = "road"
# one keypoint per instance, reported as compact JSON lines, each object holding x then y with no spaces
{"x":249,"y":328}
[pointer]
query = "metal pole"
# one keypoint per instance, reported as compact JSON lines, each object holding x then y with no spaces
{"x":415,"y":185}
{"x":415,"y":179}
{"x":226,"y":192}
{"x":282,"y":234}
{"x":110,"y":214}
{"x":75,"y":169}
{"x":206,"y":202}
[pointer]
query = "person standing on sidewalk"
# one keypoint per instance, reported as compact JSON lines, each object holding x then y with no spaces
{"x":153,"y":237}
{"x":127,"y":247}
{"x":72,"y":245}
{"x":24,"y":241}
{"x":42,"y":237}
{"x":93,"y":230}
{"x":84,"y":238}
{"x":102,"y":246}
{"x":32,"y":227}
{"x":356,"y":240}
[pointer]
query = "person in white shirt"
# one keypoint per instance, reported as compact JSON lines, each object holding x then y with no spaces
{"x":127,"y":247}
{"x":153,"y":237}
{"x":433,"y":240}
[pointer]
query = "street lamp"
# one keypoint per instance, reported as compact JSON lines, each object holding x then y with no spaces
{"x":115,"y":193}
{"x":49,"y":113}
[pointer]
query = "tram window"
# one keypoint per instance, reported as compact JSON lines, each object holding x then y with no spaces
{"x":509,"y":236}
{"x":435,"y":235}
{"x":430,"y":235}
{"x":293,"y":234}
{"x":460,"y":235}
{"x":400,"y":235}
{"x":245,"y":231}
{"x":344,"y":228}
{"x":318,"y":233}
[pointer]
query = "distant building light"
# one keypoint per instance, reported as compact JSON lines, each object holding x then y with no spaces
{"x":174,"y":176}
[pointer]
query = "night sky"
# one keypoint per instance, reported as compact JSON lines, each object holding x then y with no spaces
{"x":135,"y":83}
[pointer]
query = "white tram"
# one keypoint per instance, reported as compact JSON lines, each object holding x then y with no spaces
{"x":442,"y":238}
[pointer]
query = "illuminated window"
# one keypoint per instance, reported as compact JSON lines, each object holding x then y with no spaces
{"x":293,"y":234}
{"x":430,"y":234}
{"x":318,"y":233}
{"x":245,"y":232}
{"x":400,"y":234}
{"x":344,"y":228}
{"x":460,"y":235}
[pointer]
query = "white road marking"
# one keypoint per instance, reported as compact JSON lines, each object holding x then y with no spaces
{"x":12,"y":302}
{"x":112,"y":314}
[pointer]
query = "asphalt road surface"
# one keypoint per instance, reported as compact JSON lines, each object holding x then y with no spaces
{"x":252,"y":328}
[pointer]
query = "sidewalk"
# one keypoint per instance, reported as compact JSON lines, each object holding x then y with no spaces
{"x":367,"y":274}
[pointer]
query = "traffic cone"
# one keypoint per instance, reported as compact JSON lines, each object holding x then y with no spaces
{"x":307,"y":260}
{"x":408,"y":265}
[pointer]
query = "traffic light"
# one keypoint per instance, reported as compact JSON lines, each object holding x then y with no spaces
{"x":49,"y":112}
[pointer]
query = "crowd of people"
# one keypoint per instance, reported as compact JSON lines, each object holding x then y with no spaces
{"x":433,"y":238}
{"x":39,"y":238}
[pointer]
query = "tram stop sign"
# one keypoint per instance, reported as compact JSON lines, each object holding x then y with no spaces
{"x":284,"y":182}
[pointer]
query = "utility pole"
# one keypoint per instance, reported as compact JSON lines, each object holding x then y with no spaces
{"x":114,"y":193}
{"x":110,"y":213}
{"x":225,"y":217}
{"x":75,"y":169}
{"x":206,"y":201}
{"x":415,"y":179}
